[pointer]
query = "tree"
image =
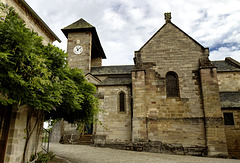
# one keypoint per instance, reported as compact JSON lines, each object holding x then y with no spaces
{"x":39,"y":78}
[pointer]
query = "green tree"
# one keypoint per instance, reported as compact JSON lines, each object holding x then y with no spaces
{"x":38,"y":77}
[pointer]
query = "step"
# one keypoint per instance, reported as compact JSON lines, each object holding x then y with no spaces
{"x":86,"y":140}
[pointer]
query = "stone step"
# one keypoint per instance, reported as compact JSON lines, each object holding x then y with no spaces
{"x":85,"y":140}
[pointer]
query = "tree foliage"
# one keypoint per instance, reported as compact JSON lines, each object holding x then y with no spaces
{"x":38,"y":76}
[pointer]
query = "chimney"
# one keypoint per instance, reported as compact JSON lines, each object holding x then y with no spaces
{"x":167,"y":16}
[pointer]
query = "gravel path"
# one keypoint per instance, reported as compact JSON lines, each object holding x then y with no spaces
{"x":88,"y":154}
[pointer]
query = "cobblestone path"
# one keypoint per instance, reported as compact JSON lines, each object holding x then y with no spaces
{"x":88,"y":154}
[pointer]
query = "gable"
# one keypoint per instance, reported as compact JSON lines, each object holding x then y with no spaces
{"x":171,"y":37}
{"x":177,"y":29}
{"x":171,"y":46}
{"x":92,"y":79}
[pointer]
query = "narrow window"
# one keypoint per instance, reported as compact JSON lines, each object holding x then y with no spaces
{"x":228,"y":118}
{"x":172,"y":86}
{"x":122,"y":101}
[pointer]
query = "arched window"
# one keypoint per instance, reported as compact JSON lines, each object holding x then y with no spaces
{"x":122,"y":101}
{"x":172,"y":86}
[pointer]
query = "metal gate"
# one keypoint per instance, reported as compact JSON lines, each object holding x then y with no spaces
{"x":45,"y":140}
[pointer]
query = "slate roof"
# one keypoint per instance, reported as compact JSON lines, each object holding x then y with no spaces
{"x":230,"y":99}
{"x":116,"y":81}
{"x":112,"y":70}
{"x":80,"y":24}
{"x":228,"y":64}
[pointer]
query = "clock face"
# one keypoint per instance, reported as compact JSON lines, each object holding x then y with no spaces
{"x":77,"y":49}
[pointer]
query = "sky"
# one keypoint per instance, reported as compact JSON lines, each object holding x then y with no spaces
{"x":123,"y":26}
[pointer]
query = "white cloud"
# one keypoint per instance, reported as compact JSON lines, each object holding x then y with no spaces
{"x":124,"y":26}
{"x":223,"y":52}
{"x":113,"y":20}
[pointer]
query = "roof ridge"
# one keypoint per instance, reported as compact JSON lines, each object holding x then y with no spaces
{"x":38,"y":18}
{"x":219,"y":61}
{"x":113,"y":66}
{"x":79,"y":24}
{"x":232,"y":61}
{"x":117,"y":65}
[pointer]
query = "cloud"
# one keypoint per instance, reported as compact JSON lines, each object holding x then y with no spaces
{"x":124,"y":26}
{"x":223,"y":52}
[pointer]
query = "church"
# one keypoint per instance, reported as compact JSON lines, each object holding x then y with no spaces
{"x":173,"y":99}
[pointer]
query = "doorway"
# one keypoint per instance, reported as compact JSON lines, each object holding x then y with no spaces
{"x":88,"y":129}
{"x":5,"y":116}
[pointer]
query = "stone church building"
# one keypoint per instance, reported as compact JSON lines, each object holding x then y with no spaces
{"x":172,"y":99}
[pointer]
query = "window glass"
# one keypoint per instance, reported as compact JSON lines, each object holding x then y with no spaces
{"x":172,"y":84}
{"x":122,"y":101}
{"x":228,"y":118}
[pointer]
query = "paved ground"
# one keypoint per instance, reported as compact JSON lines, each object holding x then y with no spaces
{"x":88,"y":154}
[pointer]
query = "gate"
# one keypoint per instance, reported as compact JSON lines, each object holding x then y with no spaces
{"x":45,"y":140}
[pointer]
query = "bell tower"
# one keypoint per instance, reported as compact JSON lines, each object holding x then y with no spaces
{"x":83,"y":46}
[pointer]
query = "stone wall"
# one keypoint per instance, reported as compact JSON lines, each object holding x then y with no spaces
{"x":17,"y":137}
{"x":96,"y":62}
{"x":56,"y":132}
{"x":229,"y":81}
{"x":70,"y":133}
{"x":83,"y":60}
{"x":233,"y":134}
{"x":115,"y":126}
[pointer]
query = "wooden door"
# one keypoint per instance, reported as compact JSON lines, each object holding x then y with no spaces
{"x":5,"y":116}
{"x":88,"y":129}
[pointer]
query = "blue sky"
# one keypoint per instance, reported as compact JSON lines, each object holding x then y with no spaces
{"x":124,"y":26}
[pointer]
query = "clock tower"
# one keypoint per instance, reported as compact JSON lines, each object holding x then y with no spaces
{"x":83,"y":46}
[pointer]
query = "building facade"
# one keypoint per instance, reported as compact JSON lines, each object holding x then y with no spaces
{"x":13,"y":121}
{"x":172,"y":99}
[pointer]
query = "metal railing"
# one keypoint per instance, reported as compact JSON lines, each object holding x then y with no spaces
{"x":45,"y":140}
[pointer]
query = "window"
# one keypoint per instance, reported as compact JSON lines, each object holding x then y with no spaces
{"x":122,"y":101}
{"x":228,"y":118}
{"x":172,"y":86}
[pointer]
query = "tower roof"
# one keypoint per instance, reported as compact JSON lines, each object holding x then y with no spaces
{"x":82,"y":26}
{"x":78,"y":26}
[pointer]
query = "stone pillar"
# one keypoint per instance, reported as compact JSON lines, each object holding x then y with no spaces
{"x":214,"y":126}
{"x":139,"y":121}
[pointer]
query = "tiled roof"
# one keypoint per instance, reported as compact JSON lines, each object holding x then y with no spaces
{"x":230,"y":99}
{"x":228,"y":64}
{"x":223,"y":65}
{"x":116,"y":81}
{"x":112,"y":70}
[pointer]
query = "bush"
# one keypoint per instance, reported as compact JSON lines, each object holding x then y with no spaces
{"x":43,"y":157}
